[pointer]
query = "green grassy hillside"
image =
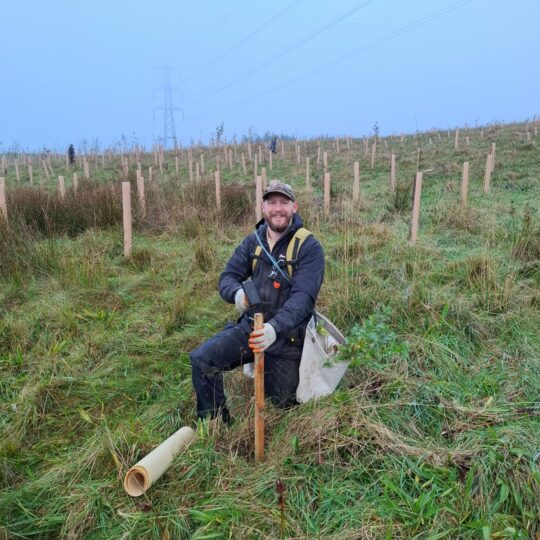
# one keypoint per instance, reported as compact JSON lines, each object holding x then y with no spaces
{"x":435,"y":429}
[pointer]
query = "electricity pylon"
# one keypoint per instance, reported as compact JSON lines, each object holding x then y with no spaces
{"x":169,"y":129}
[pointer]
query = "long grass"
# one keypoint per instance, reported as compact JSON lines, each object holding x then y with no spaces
{"x":433,"y":433}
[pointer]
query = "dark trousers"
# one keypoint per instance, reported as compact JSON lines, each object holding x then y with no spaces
{"x":229,"y":349}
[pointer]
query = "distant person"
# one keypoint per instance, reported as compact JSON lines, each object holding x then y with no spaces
{"x":273,"y":144}
{"x":71,"y":154}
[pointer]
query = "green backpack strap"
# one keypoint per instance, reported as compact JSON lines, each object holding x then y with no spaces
{"x":294,"y":247}
{"x":256,"y":257}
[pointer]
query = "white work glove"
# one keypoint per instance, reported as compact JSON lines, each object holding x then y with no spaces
{"x":260,"y":340}
{"x":249,"y":370}
{"x":240,"y":300}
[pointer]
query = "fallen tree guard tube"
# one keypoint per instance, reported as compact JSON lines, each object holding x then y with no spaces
{"x":149,"y":469}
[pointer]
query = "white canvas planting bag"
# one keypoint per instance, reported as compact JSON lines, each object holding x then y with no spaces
{"x":319,"y":372}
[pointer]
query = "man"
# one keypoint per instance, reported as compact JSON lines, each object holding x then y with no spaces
{"x":273,"y":144}
{"x":287,"y":304}
{"x":71,"y":154}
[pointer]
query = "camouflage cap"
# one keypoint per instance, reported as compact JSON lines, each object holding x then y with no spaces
{"x":279,"y":187}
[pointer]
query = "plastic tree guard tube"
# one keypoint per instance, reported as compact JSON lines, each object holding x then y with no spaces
{"x":144,"y":473}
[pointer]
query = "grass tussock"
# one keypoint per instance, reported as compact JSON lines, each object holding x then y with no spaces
{"x":527,"y":244}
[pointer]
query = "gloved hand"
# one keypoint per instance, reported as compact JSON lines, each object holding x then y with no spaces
{"x":260,"y":340}
{"x":240,"y":300}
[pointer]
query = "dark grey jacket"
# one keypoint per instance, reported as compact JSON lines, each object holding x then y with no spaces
{"x":289,"y":307}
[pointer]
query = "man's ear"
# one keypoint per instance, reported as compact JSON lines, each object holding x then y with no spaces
{"x":295,"y":207}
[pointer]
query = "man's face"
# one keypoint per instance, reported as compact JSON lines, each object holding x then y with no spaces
{"x":278,"y":211}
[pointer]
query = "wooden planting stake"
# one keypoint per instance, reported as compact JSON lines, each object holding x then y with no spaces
{"x":230,"y":159}
{"x":337,"y":145}
{"x":467,"y":140}
{"x":255,"y":168}
{"x":87,"y":169}
{"x":416,"y":208}
{"x":243,"y":163}
{"x":140,"y":189}
{"x":325,"y":161}
{"x":45,"y":169}
{"x":197,"y":172}
{"x":190,"y":171}
{"x":464,"y":184}
{"x":264,"y":178}
{"x":217,"y":178}
{"x":259,"y":395}
{"x":176,"y":166}
{"x":260,"y":154}
{"x":61,"y":187}
{"x":3,"y":204}
{"x":456,"y":140}
{"x":249,"y":151}
{"x":373,"y":150}
{"x":356,"y":182}
{"x":75,"y":181}
{"x":297,"y":153}
{"x":150,"y":178}
{"x":31,"y":174}
{"x":365,"y":147}
{"x":308,"y":177}
{"x":393,"y":173}
{"x":4,"y":166}
{"x":318,"y":156}
{"x":348,"y":143}
{"x":202,"y":164}
{"x":282,"y":150}
{"x":258,"y":198}
{"x":493,"y":157}
{"x":326,"y":194}
{"x":270,"y":159}
{"x":126,"y":212}
{"x":17,"y":171}
{"x":487,"y":173}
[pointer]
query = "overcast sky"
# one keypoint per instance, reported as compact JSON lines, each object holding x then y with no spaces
{"x":71,"y":71}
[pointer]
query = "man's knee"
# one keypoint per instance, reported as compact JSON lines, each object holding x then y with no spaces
{"x":222,"y":352}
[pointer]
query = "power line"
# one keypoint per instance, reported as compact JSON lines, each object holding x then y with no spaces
{"x":218,"y":27}
{"x":318,"y":31}
{"x":240,"y":43}
{"x":355,"y":52}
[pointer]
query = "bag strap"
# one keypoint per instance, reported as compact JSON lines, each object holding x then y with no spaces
{"x":293,"y":248}
{"x":275,"y":264}
{"x":256,"y":257}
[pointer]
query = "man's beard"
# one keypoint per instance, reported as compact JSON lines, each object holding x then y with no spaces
{"x":280,"y":229}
